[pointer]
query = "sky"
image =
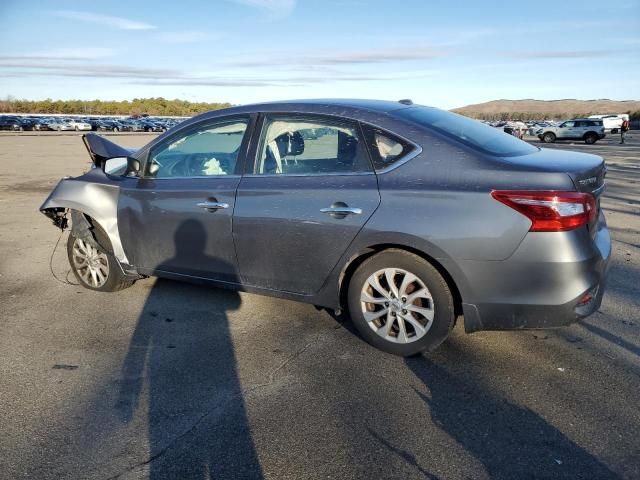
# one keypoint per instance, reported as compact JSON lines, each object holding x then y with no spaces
{"x":441,"y":53}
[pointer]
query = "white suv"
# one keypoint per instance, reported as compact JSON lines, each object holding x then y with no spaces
{"x":588,"y":129}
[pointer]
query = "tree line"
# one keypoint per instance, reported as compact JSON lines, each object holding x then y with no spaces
{"x":138,"y":106}
{"x":161,"y":106}
{"x":526,"y":116}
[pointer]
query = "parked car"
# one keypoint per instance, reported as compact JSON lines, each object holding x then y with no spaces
{"x":612,"y":122}
{"x":405,"y":216}
{"x":151,"y":126}
{"x":59,"y":124}
{"x":11,"y":123}
{"x":41,"y":124}
{"x":131,"y":125}
{"x":78,"y":125}
{"x":110,"y":125}
{"x":588,"y":129}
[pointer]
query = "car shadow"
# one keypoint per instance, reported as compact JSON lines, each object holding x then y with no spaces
{"x":510,"y":441}
{"x":180,"y":371}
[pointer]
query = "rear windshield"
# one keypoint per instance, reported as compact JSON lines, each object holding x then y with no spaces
{"x":470,"y":132}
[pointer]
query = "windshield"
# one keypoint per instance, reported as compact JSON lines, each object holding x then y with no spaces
{"x":468,"y":131}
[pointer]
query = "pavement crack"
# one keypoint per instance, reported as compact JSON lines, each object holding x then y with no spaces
{"x":241,"y":394}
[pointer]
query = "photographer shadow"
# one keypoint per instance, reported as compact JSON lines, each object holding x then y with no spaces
{"x":180,"y":371}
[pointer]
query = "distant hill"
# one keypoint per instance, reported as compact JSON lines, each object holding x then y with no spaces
{"x":529,"y":109}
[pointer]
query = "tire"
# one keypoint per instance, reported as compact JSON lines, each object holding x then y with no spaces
{"x":549,"y":137}
{"x":590,"y":138}
{"x":116,"y":129}
{"x":437,"y":303}
{"x":77,"y":129}
{"x":614,"y":131}
{"x":110,"y":278}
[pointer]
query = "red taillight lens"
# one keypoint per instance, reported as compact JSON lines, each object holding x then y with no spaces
{"x":551,"y":211}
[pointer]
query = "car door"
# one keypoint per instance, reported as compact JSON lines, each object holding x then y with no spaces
{"x":177,"y":217}
{"x":309,"y":192}
{"x":567,"y":130}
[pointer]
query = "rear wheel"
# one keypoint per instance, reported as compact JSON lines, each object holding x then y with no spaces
{"x":116,"y":129}
{"x":549,"y":137}
{"x":92,"y":264}
{"x":400,"y":303}
{"x":590,"y":138}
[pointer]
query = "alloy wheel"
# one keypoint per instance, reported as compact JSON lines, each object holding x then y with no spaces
{"x":397,"y":305}
{"x":90,"y":263}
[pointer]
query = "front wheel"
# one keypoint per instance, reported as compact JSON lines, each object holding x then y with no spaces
{"x":93,"y":267}
{"x":549,"y":137}
{"x":400,"y":303}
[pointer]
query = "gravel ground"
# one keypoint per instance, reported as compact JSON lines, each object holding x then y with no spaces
{"x":169,"y":380}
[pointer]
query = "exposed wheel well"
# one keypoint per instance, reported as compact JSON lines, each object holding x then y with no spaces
{"x":372,"y":250}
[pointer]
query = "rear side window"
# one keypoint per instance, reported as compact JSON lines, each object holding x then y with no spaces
{"x":310,"y":145}
{"x":470,"y":132}
{"x":386,"y":149}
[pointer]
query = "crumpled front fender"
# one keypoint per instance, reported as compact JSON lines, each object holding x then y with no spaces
{"x":97,"y":200}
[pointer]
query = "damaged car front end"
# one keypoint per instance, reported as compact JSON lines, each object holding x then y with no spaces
{"x":89,"y":203}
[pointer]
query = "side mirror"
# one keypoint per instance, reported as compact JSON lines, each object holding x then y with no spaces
{"x":121,"y":166}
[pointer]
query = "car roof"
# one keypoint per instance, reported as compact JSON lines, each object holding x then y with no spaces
{"x":344,"y":107}
{"x":329,"y":105}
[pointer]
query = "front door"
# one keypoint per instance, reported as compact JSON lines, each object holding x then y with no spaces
{"x":310,"y":192}
{"x":177,"y":218}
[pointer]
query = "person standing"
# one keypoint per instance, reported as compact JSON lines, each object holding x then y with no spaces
{"x":623,"y":130}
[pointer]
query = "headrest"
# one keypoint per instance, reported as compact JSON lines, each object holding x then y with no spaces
{"x":290,"y":143}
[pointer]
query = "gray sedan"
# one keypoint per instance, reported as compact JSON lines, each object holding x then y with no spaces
{"x":405,"y":216}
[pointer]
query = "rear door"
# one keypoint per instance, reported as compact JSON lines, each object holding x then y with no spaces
{"x":310,"y":190}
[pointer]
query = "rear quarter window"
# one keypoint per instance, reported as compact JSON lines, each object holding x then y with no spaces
{"x":385,"y":148}
{"x":467,"y":131}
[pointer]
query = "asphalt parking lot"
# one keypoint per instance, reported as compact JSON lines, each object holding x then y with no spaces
{"x":170,"y":380}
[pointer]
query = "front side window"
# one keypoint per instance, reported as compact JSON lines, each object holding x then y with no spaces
{"x":292,"y":145}
{"x":567,"y":125}
{"x":204,"y":151}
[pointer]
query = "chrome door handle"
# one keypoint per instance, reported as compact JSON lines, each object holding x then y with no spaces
{"x":341,"y":211}
{"x":212,"y":205}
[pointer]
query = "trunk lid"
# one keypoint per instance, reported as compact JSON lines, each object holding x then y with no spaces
{"x":586,"y":171}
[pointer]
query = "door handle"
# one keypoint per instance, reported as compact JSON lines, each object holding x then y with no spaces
{"x":341,"y":211}
{"x":212,"y":206}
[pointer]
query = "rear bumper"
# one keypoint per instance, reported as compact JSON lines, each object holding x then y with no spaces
{"x":542,"y":285}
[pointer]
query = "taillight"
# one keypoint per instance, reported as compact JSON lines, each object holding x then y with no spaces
{"x":551,"y":211}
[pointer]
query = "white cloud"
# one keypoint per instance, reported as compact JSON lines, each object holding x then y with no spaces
{"x":106,"y":20}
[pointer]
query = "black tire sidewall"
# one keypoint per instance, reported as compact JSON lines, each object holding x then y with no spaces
{"x":443,"y":302}
{"x":548,"y":138}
